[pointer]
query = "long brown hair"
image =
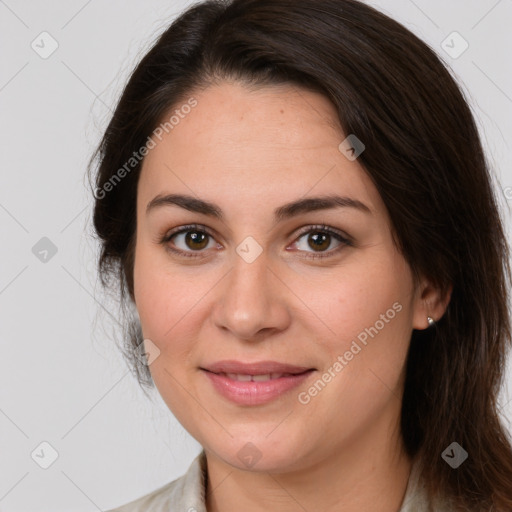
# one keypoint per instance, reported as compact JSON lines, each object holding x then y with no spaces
{"x":425,"y":158}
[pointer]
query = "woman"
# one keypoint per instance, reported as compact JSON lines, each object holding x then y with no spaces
{"x":294,"y":197}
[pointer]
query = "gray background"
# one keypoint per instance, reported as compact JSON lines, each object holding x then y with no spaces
{"x":63,"y":380}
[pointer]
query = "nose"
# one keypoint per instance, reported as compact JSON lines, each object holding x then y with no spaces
{"x":252,"y":302}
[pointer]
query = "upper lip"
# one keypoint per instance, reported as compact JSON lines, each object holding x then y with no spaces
{"x":255,"y":368}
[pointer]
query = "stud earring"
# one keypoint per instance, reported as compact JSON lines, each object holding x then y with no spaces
{"x":430,"y":321}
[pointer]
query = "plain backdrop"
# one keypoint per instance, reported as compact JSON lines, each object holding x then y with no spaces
{"x":63,"y":381}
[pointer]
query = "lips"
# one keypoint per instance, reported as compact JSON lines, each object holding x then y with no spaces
{"x":242,"y":377}
{"x":255,"y":383}
{"x":256,"y":368}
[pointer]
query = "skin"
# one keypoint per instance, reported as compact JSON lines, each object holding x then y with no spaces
{"x":250,"y":151}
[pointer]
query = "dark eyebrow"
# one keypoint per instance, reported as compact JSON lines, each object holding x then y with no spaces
{"x":307,"y":204}
{"x":310,"y":204}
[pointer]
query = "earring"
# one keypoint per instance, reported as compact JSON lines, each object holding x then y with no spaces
{"x":430,"y":321}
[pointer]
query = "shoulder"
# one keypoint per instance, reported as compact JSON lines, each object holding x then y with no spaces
{"x":185,"y":494}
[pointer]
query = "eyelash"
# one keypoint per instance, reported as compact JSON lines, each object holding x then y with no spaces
{"x":319,"y":228}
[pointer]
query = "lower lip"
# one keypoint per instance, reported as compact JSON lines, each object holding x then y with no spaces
{"x":255,"y":393}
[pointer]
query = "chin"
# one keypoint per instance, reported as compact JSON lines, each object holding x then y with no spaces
{"x":259,"y":453}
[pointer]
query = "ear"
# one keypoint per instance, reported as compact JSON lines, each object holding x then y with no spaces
{"x":430,"y":301}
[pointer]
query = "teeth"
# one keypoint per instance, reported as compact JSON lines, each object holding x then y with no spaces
{"x":261,"y":378}
{"x":255,"y":378}
{"x":236,"y":376}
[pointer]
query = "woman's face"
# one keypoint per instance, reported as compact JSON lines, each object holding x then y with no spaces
{"x":319,"y":285}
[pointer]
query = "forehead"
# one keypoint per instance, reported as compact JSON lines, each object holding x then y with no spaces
{"x":278,"y":142}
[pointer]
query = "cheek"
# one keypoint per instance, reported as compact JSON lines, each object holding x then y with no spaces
{"x":369,"y":318}
{"x":170,"y":303}
{"x":165,"y":303}
{"x":160,"y":298}
{"x":365,"y":312}
{"x":348,"y":302}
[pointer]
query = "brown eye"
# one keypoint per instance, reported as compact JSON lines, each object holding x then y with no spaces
{"x":196,"y":239}
{"x":319,"y":240}
{"x":189,"y":240}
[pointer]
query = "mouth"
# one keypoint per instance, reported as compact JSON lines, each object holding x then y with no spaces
{"x":254,"y":383}
{"x":257,"y":368}
{"x":244,"y":377}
